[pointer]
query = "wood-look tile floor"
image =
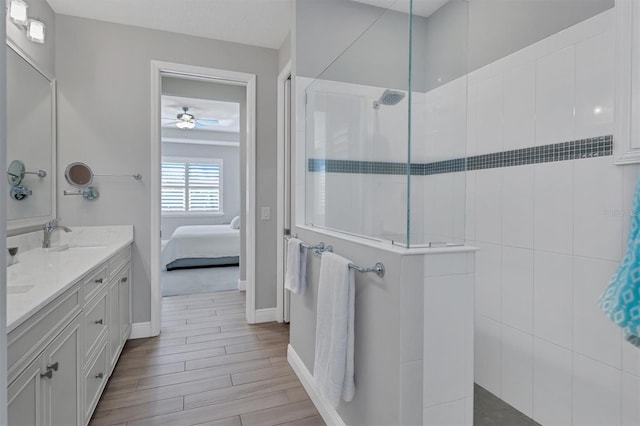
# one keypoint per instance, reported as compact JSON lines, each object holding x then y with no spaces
{"x":207,"y":367}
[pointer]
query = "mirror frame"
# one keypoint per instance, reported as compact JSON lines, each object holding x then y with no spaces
{"x":15,"y":224}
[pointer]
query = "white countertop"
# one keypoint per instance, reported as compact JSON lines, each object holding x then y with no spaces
{"x":43,"y":274}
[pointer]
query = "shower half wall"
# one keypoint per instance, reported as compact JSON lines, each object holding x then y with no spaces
{"x":360,"y":186}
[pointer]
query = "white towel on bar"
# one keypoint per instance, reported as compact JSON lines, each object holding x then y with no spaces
{"x":333,"y":367}
{"x":295,"y":275}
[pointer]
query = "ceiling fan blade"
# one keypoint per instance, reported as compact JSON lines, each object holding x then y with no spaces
{"x":208,"y":121}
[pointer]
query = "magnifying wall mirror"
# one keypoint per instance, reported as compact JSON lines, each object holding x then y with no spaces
{"x":15,"y":172}
{"x":79,"y":175}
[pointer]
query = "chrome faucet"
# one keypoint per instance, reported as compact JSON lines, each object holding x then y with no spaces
{"x":49,"y":228}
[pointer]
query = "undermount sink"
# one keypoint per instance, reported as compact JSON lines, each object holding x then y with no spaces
{"x":19,"y":289}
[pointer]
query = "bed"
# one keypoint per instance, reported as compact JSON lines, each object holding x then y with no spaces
{"x":201,"y":246}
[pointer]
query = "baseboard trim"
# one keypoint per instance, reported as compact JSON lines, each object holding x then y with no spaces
{"x":324,"y":407}
{"x":140,"y":330}
{"x":242,"y":285}
{"x":265,"y":315}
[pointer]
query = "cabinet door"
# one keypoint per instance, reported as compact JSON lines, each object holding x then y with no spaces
{"x":124,"y":279}
{"x":114,"y":322}
{"x":26,"y":396}
{"x":63,"y":358}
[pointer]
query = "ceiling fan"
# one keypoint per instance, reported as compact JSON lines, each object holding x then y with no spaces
{"x":186,"y":120}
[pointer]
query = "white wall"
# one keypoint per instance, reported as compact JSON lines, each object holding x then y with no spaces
{"x":550,"y":234}
{"x":284,"y":54}
{"x":230,"y":183}
{"x":3,"y":227}
{"x":103,"y":72}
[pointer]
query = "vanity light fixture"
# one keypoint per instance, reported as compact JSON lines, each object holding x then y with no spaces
{"x":35,"y":31}
{"x":34,"y":27}
{"x":18,"y":12}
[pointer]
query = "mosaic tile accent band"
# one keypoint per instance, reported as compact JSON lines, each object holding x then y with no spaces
{"x":574,"y":150}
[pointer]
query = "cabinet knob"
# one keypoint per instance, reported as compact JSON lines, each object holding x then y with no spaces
{"x":124,"y":280}
{"x":48,"y":374}
{"x":100,"y":321}
{"x":99,"y":375}
{"x":53,"y":366}
{"x":99,"y":281}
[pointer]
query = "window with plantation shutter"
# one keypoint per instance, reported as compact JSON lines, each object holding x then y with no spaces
{"x":191,"y":186}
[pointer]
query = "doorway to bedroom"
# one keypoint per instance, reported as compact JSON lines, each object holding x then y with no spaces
{"x":201,"y":186}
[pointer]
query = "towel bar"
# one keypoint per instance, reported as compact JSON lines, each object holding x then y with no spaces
{"x":378,"y":268}
{"x":319,"y":248}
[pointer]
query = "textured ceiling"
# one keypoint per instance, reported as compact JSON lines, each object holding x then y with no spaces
{"x":263,"y":23}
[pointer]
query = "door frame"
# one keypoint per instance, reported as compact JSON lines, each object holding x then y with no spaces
{"x":158,"y":70}
{"x":280,"y":243}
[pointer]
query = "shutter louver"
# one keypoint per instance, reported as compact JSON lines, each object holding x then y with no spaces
{"x":191,"y":187}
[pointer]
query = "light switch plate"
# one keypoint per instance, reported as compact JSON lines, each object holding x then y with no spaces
{"x":266,"y":213}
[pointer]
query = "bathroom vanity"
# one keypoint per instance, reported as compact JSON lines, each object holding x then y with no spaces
{"x":68,"y":317}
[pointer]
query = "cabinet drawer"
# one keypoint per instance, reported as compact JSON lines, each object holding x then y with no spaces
{"x":94,"y":282}
{"x":95,"y":378}
{"x":95,"y":322}
{"x":31,"y":337}
{"x":118,"y":261}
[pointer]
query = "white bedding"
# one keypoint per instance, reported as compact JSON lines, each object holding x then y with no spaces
{"x":202,"y":241}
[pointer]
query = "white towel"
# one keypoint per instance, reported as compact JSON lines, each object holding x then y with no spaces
{"x":333,"y":367}
{"x":296,"y":272}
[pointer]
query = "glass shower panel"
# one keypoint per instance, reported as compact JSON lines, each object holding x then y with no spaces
{"x":357,"y":132}
{"x":438,"y":142}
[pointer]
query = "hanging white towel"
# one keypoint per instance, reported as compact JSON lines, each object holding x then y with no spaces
{"x":295,"y":274}
{"x":333,"y":367}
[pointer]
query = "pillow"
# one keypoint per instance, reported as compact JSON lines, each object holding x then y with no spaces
{"x":235,"y":223}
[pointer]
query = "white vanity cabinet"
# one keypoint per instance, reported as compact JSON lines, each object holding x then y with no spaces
{"x":46,"y":392}
{"x":61,"y":357}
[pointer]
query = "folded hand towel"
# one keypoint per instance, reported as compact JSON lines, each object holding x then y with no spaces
{"x":333,"y":368}
{"x":621,"y":299}
{"x":295,"y":274}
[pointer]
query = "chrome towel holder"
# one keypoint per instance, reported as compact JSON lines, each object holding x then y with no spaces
{"x":319,"y":248}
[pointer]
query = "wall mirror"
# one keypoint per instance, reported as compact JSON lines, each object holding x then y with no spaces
{"x":30,"y":139}
{"x":79,"y":175}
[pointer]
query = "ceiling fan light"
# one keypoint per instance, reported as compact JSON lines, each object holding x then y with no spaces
{"x":186,"y":124}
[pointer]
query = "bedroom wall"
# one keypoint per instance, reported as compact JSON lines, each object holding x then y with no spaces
{"x":230,"y":183}
{"x":103,"y":72}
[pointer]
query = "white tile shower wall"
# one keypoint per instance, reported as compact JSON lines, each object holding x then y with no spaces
{"x":443,"y":215}
{"x":550,"y":234}
{"x":448,"y":351}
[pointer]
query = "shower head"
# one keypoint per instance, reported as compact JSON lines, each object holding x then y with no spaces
{"x":389,"y":97}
